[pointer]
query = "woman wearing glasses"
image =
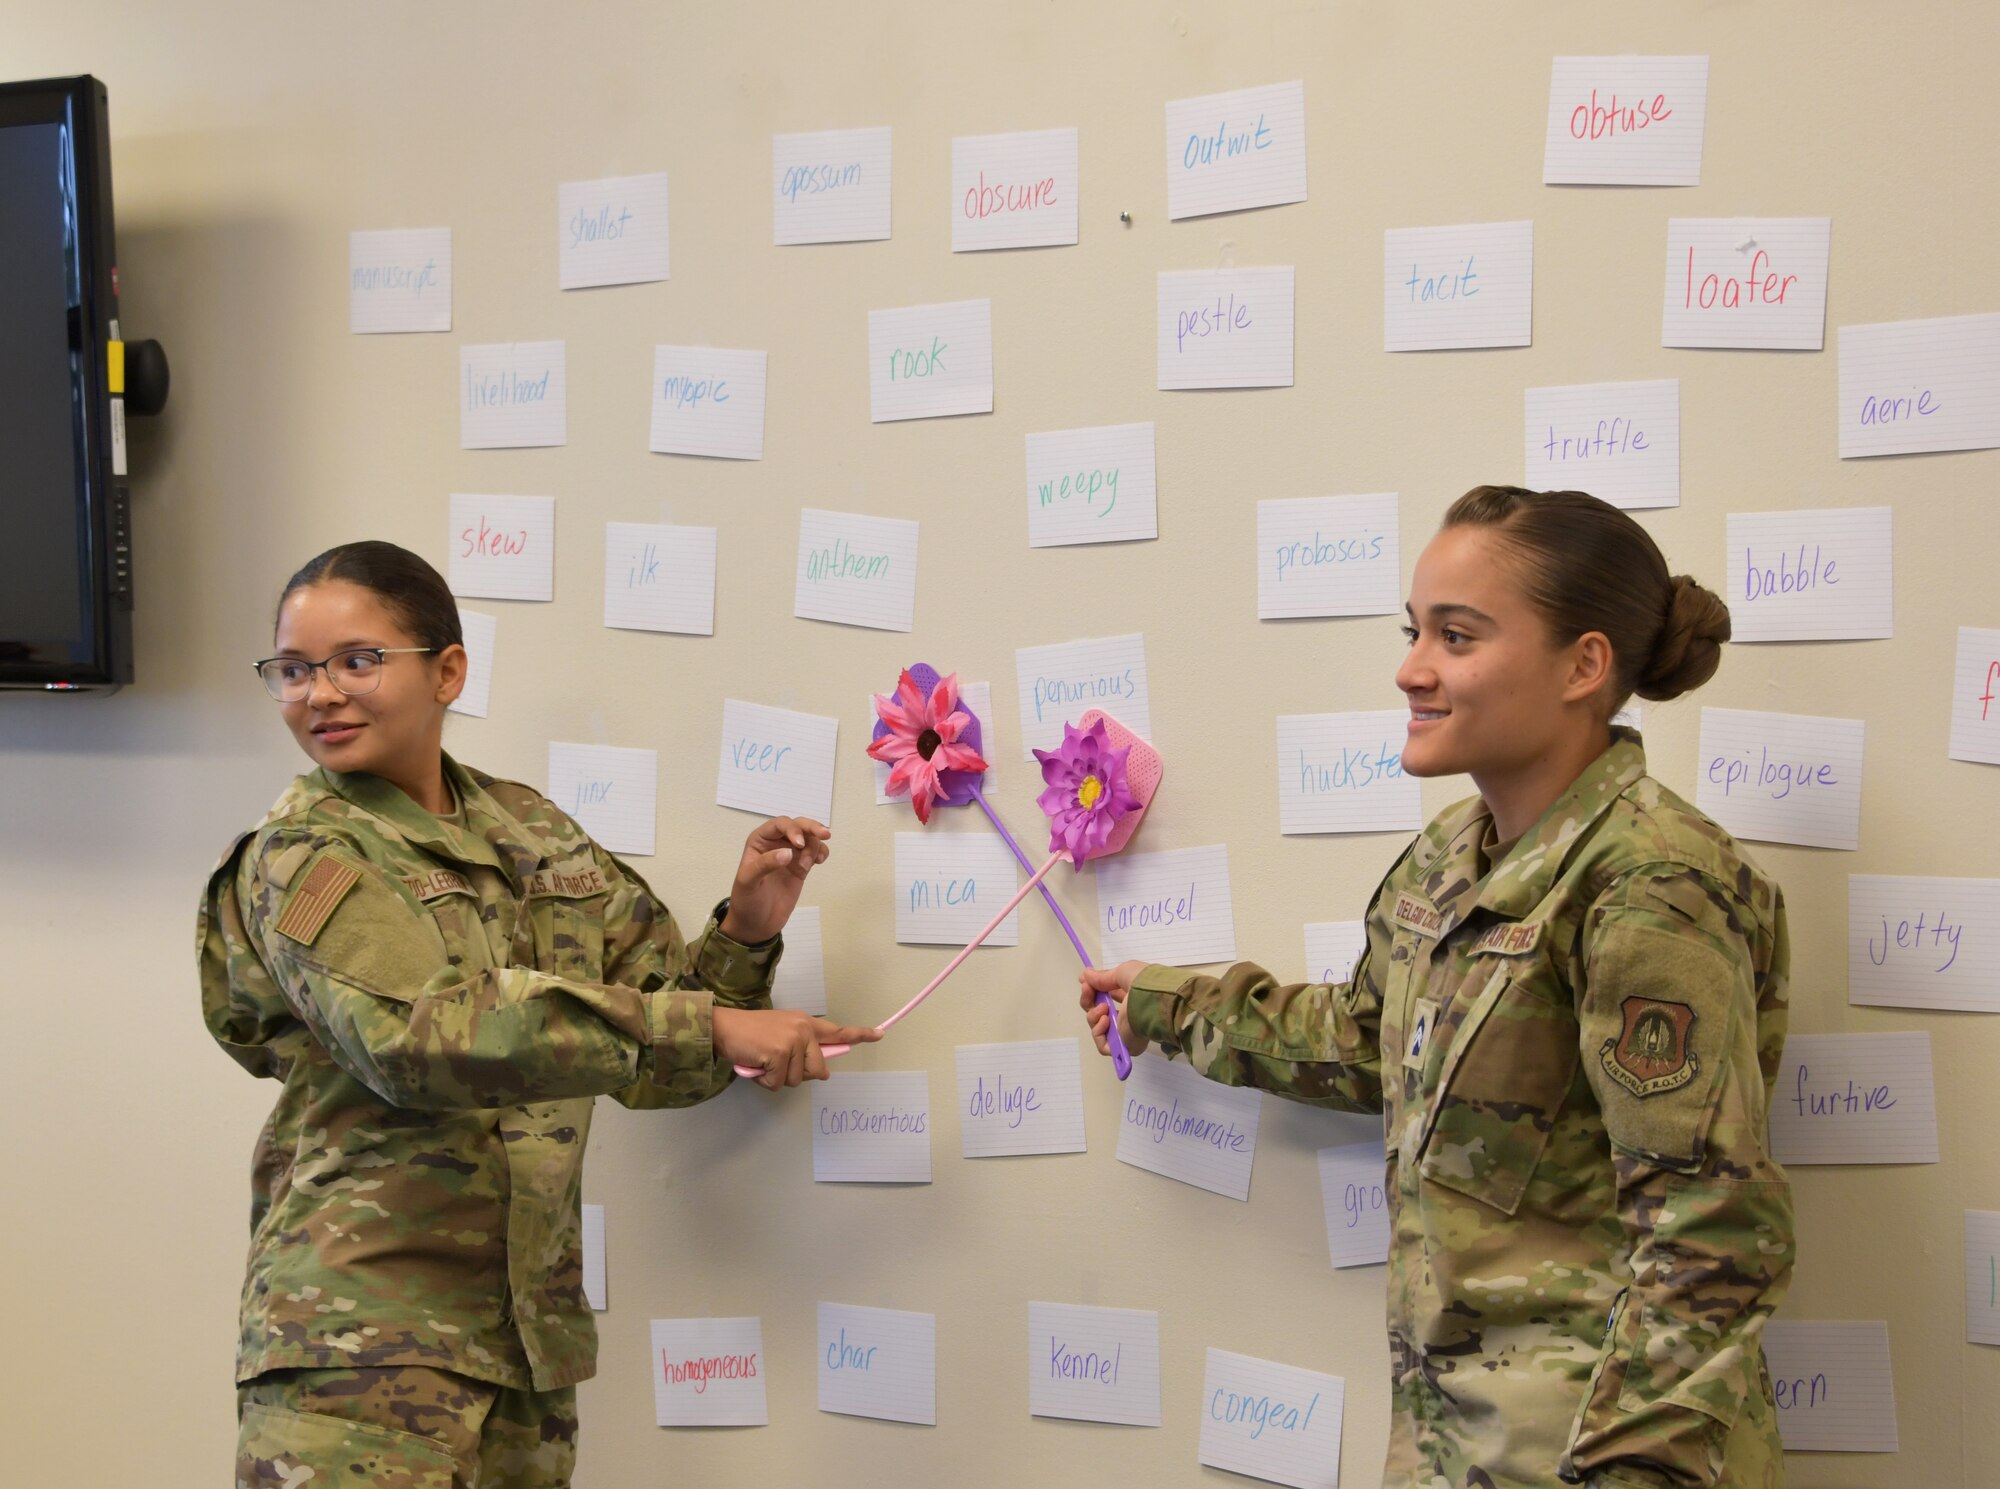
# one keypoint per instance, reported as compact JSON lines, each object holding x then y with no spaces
{"x":442,"y":970}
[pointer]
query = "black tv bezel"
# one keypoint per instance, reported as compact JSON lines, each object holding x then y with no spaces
{"x":103,"y":658}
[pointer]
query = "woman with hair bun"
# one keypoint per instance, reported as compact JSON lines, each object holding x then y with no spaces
{"x":1570,"y":1011}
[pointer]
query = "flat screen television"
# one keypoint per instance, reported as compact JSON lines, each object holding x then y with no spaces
{"x":65,"y":549}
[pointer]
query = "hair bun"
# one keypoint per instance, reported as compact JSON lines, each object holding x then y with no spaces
{"x":1689,"y":646}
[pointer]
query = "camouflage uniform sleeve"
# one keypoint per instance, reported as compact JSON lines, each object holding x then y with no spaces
{"x":1669,"y":1012}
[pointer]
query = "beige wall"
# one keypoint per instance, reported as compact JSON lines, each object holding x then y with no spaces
{"x":248,"y":141}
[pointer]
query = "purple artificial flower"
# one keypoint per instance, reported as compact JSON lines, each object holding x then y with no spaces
{"x":1087,"y":792}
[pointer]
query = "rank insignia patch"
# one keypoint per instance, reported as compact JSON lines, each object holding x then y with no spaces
{"x":1652,"y":1053}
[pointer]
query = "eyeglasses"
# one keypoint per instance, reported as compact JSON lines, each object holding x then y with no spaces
{"x":354,"y":672}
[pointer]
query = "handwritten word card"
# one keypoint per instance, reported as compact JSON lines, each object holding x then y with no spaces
{"x":399,"y":280}
{"x":1982,"y":1276}
{"x":1810,"y":576}
{"x":856,"y":570}
{"x":1329,"y":555}
{"x":830,"y":187}
{"x":1975,"y":689}
{"x":1619,"y":441}
{"x":872,"y":1127}
{"x":949,"y":884}
{"x":1910,"y":386}
{"x":659,"y":578}
{"x":1020,"y":1098}
{"x":776,"y":761}
{"x":610,"y":791}
{"x":1170,"y":907}
{"x":1746,"y":282}
{"x":1923,"y":942}
{"x":1094,"y":1364}
{"x":1226,"y":328}
{"x":1343,"y":772}
{"x":1013,"y":190}
{"x":1782,"y":777}
{"x":612,"y":231}
{"x":800,"y":981}
{"x":478,"y":629}
{"x":512,"y":394}
{"x":975,"y":697}
{"x":1834,"y":1388}
{"x":709,"y":1372}
{"x":502,"y":547}
{"x":1179,"y":1125}
{"x":1270,"y":1421}
{"x":1626,"y":121}
{"x":590,"y":1241}
{"x":708,"y":400}
{"x":1091,"y":486}
{"x":1357,"y":1208}
{"x":878,"y":1362}
{"x":1855,"y":1098}
{"x":1333,"y":947}
{"x":1229,"y":151}
{"x":1064,"y":682}
{"x":930,"y":361}
{"x":1469,"y":285}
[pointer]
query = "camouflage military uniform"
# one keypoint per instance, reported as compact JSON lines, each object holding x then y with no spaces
{"x":441,"y":1002}
{"x":1574,"y":1051}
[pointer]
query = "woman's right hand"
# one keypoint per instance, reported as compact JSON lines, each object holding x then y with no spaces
{"x":1117,"y":982}
{"x":781,"y":1042}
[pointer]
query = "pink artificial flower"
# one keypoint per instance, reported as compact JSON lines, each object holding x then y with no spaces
{"x":1087,"y":790}
{"x":923,"y":739}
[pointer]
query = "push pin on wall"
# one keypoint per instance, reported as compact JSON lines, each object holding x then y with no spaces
{"x":1126,"y":218}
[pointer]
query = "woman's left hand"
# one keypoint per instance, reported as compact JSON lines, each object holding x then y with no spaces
{"x":777,"y":856}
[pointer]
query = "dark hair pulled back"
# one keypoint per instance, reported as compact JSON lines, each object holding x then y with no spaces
{"x":414,"y":592}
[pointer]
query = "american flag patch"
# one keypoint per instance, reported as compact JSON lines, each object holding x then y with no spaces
{"x":314,"y":900}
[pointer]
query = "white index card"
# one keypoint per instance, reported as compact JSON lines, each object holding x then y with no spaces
{"x":1916,"y":942}
{"x":1975,"y":722}
{"x":1782,"y":777}
{"x":800,"y":981}
{"x":1226,"y":328}
{"x":1855,"y":1098}
{"x":831,"y":186}
{"x":591,"y":1241}
{"x":1911,"y":386}
{"x":930,"y":361}
{"x":612,"y":231}
{"x":1343,"y":772}
{"x":1171,"y":907}
{"x":1181,"y":1126}
{"x":878,"y":1362}
{"x":1065,"y":681}
{"x":1356,"y":1205}
{"x":1270,"y":1421}
{"x":1091,"y":486}
{"x":1982,"y":1276}
{"x":1333,"y":947}
{"x":949,"y":884}
{"x":1811,"y":576}
{"x":977,"y":697}
{"x":1469,"y":285}
{"x":1619,"y":441}
{"x":1626,"y":121}
{"x":1230,"y":151}
{"x":1834,"y":1388}
{"x":1020,"y":1098}
{"x":399,"y":280}
{"x":659,"y":578}
{"x":856,"y":570}
{"x":478,"y":630}
{"x":1746,"y":282}
{"x":1329,"y":555}
{"x":502,"y":547}
{"x":1013,"y":190}
{"x":708,"y":400}
{"x":776,"y":761}
{"x":512,"y":395}
{"x":709,"y":1372}
{"x":872,"y":1127}
{"x":1090,"y":1364}
{"x":610,"y":791}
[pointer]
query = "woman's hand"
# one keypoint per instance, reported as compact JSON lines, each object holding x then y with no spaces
{"x":1117,"y":981}
{"x":781,"y":1042}
{"x":777,"y":856}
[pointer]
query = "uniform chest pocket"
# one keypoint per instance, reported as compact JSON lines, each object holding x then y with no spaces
{"x":569,"y":937}
{"x":1504,"y":1080}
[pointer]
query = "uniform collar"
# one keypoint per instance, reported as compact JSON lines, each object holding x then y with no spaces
{"x":1523,"y":878}
{"x":389,"y":804}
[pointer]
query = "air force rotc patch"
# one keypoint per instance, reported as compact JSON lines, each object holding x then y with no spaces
{"x":1651,"y":1053}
